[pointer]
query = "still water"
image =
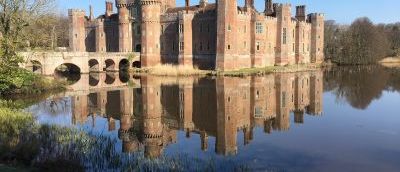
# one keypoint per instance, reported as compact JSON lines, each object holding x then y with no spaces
{"x":342,"y":119}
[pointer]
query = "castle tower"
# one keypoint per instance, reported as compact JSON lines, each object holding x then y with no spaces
{"x":100,"y":36}
{"x":269,"y":9}
{"x":317,"y":37}
{"x":125,"y":27}
{"x":151,"y":28}
{"x":284,"y":39}
{"x":249,"y":4}
{"x":185,"y":38}
{"x":77,"y":30}
{"x":301,"y":13}
{"x":109,"y":9}
{"x":227,"y":29}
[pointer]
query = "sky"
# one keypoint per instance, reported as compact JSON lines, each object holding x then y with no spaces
{"x":343,"y":11}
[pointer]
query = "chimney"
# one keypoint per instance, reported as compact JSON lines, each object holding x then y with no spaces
{"x":301,"y":13}
{"x":269,"y":9}
{"x":109,"y":8}
{"x":187,"y":4}
{"x":91,"y":17}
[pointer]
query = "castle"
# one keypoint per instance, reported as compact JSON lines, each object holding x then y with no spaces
{"x":219,"y":35}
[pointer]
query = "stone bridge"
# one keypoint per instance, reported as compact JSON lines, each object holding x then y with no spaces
{"x":47,"y":63}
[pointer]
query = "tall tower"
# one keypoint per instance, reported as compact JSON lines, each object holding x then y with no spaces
{"x":226,"y":34}
{"x":77,"y":30}
{"x":100,"y":36}
{"x":124,"y":27}
{"x":151,"y":28}
{"x":317,"y":37}
{"x":284,"y":39}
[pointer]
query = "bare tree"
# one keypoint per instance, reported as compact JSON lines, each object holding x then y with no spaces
{"x":15,"y":16}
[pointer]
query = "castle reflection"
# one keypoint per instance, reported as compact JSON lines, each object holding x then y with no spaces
{"x":221,"y":107}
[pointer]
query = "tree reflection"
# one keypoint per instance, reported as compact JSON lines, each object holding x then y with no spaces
{"x":360,"y":85}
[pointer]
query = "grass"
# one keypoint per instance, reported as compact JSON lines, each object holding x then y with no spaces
{"x":26,"y":145}
{"x":177,"y":70}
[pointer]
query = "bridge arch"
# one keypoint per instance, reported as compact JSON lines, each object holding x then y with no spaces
{"x":136,"y":64}
{"x":110,"y":78}
{"x":94,"y":65}
{"x":36,"y":67}
{"x":69,"y":71}
{"x":123,"y":65}
{"x":94,"y":79}
{"x":109,"y":65}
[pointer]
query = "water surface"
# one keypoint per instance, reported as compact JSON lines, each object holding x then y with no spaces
{"x":343,"y":119}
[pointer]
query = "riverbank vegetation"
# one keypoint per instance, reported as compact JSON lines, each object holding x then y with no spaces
{"x":177,"y":70}
{"x":26,"y":144}
{"x":362,"y":42}
{"x":25,"y":23}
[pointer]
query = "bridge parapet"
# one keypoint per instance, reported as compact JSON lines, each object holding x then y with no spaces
{"x":47,"y":62}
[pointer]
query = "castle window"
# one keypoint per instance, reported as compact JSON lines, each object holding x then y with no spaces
{"x":208,"y":45}
{"x":180,"y":28}
{"x":303,"y":48}
{"x":293,"y":34}
{"x":229,"y":28}
{"x":294,"y":47}
{"x":283,"y":100}
{"x":245,"y":29}
{"x":229,"y":47}
{"x":245,"y":44}
{"x":258,"y":46}
{"x":259,"y":27}
{"x":181,"y":46}
{"x":303,"y":34}
{"x":76,"y":35}
{"x":284,"y":36}
{"x":162,"y":28}
{"x":201,"y":46}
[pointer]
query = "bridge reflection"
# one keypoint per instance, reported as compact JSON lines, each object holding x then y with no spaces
{"x":150,"y":116}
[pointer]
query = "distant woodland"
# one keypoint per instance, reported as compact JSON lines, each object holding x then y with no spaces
{"x":362,"y":42}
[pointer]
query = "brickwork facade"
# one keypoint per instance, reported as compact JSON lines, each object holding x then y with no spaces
{"x":217,"y":35}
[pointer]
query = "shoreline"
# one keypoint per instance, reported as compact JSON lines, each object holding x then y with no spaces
{"x":185,"y":71}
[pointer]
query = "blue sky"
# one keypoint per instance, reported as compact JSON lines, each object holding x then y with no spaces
{"x":343,"y":11}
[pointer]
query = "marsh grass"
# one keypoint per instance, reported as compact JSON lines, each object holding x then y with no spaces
{"x":178,"y":70}
{"x":173,"y":70}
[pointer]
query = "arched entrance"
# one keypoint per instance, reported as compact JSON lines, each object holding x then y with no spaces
{"x":36,"y":67}
{"x":109,"y":65}
{"x":94,"y":79}
{"x":124,"y":65}
{"x":136,"y":64}
{"x":110,"y":78}
{"x":68,"y":71}
{"x":94,"y":65}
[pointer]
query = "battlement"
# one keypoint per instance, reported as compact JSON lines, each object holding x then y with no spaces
{"x":76,"y":12}
{"x":271,"y":18}
{"x":314,"y":15}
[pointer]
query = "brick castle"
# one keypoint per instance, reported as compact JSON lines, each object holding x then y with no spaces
{"x":219,"y":35}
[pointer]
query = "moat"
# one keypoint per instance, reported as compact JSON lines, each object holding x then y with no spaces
{"x":342,"y":119}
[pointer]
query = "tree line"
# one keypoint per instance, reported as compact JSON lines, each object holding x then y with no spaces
{"x":362,"y":42}
{"x":23,"y":24}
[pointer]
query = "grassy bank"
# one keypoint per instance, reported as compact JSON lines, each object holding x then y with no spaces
{"x":177,"y":70}
{"x":19,"y":81}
